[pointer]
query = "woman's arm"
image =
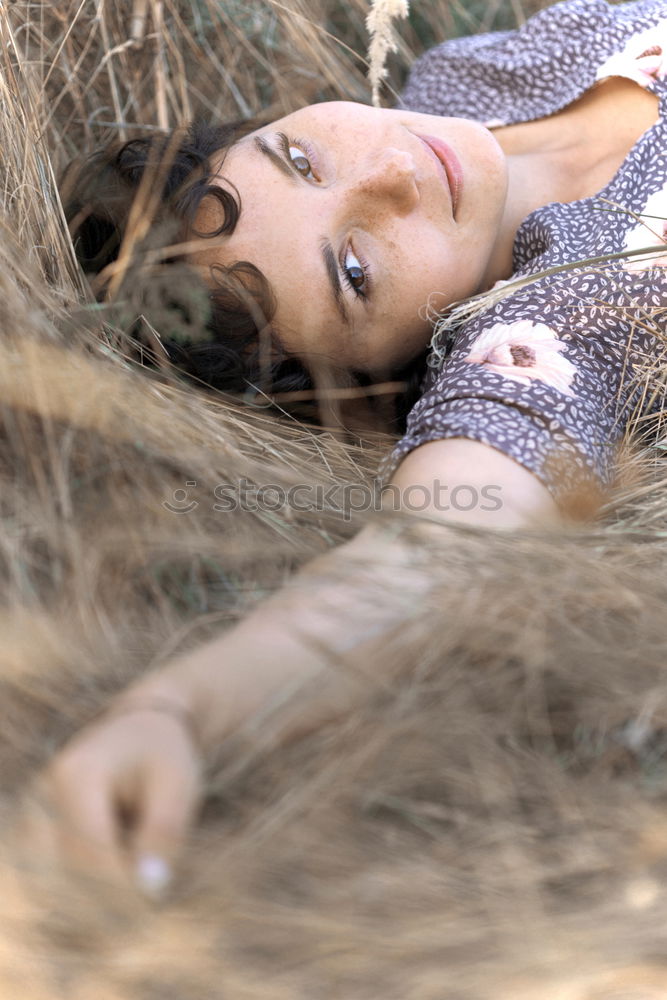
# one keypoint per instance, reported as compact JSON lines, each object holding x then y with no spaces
{"x":326,"y":602}
{"x":142,"y":761}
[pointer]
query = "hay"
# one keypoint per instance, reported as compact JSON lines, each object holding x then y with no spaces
{"x":493,"y":827}
{"x":379,"y":24}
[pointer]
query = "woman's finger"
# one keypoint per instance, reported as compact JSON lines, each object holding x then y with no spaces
{"x":171,"y":796}
{"x":87,"y":824}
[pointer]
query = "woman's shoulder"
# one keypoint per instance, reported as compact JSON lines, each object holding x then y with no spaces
{"x":532,"y":71}
{"x":551,"y":374}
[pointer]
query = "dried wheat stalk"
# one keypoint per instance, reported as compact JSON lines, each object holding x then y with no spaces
{"x":379,"y":24}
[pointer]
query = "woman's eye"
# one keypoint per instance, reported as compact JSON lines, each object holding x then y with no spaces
{"x":355,"y":273}
{"x":301,"y":162}
{"x":300,"y":156}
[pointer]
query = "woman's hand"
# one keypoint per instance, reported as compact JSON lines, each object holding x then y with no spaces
{"x":117,"y":801}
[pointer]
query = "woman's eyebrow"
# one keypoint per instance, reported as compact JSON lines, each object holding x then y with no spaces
{"x":275,"y":158}
{"x":328,"y":255}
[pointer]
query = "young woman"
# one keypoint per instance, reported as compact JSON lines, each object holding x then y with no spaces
{"x":513,"y":153}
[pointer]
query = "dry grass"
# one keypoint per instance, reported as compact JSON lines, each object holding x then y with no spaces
{"x":492,"y":829}
{"x":382,"y":40}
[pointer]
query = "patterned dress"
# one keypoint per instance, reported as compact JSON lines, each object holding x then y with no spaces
{"x":552,"y":373}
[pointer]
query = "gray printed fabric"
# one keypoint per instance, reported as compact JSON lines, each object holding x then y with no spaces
{"x":552,"y":374}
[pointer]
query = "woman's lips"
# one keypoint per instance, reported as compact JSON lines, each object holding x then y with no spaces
{"x":452,"y":167}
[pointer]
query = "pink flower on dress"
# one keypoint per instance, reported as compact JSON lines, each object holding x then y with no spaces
{"x":524,"y":351}
{"x":643,"y":59}
{"x":651,"y":231}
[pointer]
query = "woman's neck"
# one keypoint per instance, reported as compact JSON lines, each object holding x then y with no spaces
{"x":567,"y":156}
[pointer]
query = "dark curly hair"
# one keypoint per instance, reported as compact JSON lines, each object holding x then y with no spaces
{"x":221,"y":335}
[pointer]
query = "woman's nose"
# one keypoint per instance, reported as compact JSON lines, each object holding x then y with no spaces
{"x":391,"y":176}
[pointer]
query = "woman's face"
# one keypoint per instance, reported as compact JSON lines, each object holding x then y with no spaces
{"x":357,"y":224}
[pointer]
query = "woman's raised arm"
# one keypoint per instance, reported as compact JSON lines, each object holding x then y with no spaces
{"x":123,"y":792}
